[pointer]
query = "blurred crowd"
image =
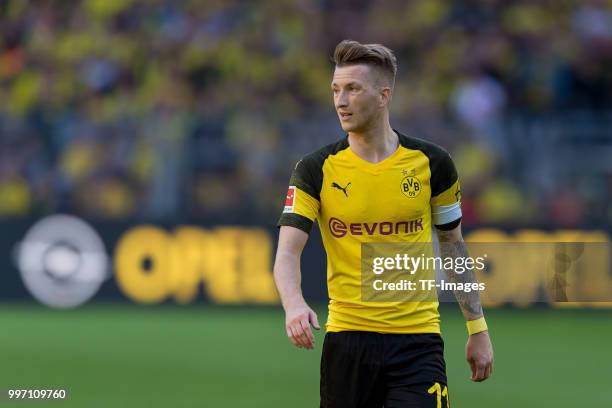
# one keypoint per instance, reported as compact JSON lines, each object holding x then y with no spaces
{"x":132,"y":109}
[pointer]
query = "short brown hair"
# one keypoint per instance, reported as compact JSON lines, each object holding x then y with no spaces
{"x":349,"y":52}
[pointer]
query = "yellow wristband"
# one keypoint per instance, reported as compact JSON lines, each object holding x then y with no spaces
{"x":476,"y":326}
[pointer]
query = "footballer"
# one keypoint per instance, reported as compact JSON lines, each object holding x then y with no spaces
{"x":375,"y":354}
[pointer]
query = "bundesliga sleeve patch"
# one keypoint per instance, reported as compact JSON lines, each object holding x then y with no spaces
{"x":290,"y":200}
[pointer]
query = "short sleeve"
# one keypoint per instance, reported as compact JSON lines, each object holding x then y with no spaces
{"x":302,"y":201}
{"x":445,"y":191}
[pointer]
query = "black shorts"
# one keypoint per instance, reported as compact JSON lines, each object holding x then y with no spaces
{"x":373,"y":370}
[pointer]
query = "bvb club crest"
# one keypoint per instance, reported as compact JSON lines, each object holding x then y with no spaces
{"x":410,"y":185}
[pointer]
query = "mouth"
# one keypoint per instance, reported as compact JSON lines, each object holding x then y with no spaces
{"x":345,"y":115}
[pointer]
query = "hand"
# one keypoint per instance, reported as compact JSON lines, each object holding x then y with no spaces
{"x":298,"y":320}
{"x":479,"y":354}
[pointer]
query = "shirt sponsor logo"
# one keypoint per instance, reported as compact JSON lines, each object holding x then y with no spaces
{"x":339,"y":228}
{"x":290,"y":199}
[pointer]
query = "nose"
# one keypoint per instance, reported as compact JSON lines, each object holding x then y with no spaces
{"x":341,"y":99}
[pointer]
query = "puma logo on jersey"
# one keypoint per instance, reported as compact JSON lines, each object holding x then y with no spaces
{"x":458,"y":195}
{"x":336,"y":185}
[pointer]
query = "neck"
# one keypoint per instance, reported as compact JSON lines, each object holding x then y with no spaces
{"x":374,"y":144}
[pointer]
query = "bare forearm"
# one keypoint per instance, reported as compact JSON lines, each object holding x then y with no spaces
{"x":468,"y":301}
{"x":287,"y":276}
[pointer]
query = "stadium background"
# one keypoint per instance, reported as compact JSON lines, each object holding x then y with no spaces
{"x":187,"y":117}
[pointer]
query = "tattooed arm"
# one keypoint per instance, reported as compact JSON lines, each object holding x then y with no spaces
{"x":479,"y":351}
{"x":453,"y":246}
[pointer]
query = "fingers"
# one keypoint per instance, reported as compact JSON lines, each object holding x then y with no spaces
{"x":487,"y":372}
{"x":308,"y":334}
{"x":298,"y":326}
{"x":298,"y":335}
{"x":293,"y":337}
{"x":312,"y":317}
{"x":473,"y":368}
{"x":299,"y":331}
{"x":479,"y":375}
{"x":481,"y":370}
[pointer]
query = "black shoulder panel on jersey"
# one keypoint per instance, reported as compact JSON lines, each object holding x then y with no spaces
{"x":443,"y":172}
{"x":308,"y":173}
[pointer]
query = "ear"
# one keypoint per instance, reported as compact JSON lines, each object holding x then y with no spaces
{"x":385,"y":96}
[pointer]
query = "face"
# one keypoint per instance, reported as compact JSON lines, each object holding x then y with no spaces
{"x":358,"y":99}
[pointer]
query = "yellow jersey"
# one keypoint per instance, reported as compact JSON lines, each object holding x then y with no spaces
{"x":354,"y":201}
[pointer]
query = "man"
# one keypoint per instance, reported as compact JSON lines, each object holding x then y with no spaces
{"x":375,"y":354}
